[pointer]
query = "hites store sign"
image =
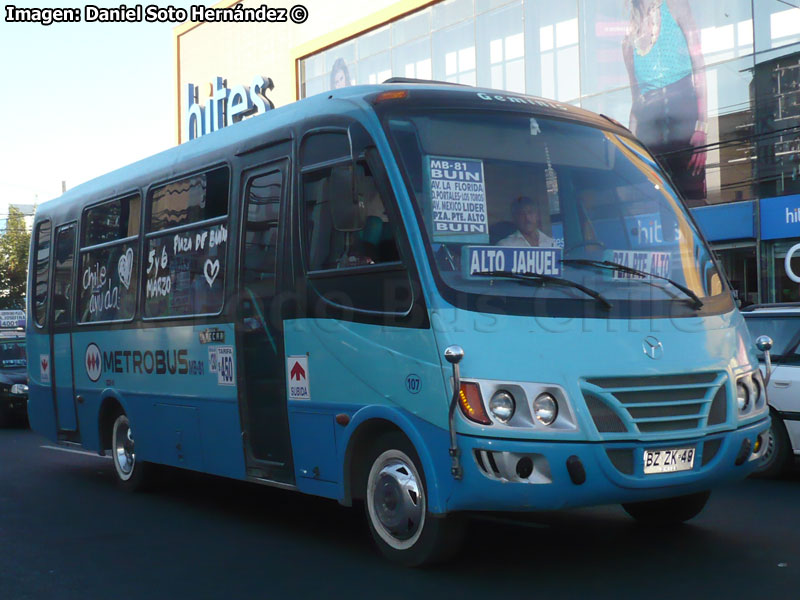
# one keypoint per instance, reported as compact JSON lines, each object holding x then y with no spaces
{"x":225,"y":106}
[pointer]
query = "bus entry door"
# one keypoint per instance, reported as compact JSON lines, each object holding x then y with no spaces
{"x":61,"y":324}
{"x":262,"y":395}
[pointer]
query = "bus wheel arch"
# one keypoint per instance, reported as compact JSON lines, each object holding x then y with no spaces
{"x":359,"y":444}
{"x":396,"y":506}
{"x":367,"y":426}
{"x":110,"y":409}
{"x":116,"y":432}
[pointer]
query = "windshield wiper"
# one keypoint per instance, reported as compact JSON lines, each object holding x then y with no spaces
{"x":615,"y":266}
{"x":529,"y":278}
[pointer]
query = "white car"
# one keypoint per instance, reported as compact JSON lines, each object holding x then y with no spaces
{"x":781,"y":322}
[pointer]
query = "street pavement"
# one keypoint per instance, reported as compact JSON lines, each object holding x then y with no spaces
{"x":66,"y":531}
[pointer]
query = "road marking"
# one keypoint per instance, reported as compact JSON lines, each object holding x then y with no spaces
{"x":84,"y":452}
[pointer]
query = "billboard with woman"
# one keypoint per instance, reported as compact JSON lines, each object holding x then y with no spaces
{"x":665,"y":66}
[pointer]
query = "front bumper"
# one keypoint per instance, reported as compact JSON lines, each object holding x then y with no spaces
{"x":613,"y":471}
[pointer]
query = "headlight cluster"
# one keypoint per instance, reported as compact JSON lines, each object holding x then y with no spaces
{"x":750,"y":397}
{"x":545,"y":409}
{"x":515,"y":404}
{"x":502,"y":406}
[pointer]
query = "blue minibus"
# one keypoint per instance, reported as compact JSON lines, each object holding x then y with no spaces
{"x":439,"y":300}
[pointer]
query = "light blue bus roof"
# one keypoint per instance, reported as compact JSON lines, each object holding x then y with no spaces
{"x":236,"y":138}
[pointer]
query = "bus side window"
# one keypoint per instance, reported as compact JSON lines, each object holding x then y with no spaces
{"x":184,"y":269}
{"x":109,"y":260}
{"x":350,"y":240}
{"x":261,"y":229}
{"x":331,"y":247}
{"x":62,"y":274}
{"x":42,"y":269}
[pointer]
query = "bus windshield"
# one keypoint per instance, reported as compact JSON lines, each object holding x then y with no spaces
{"x":516,"y":207}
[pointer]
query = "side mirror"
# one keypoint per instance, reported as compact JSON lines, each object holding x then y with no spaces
{"x":454,"y":354}
{"x":764,"y":344}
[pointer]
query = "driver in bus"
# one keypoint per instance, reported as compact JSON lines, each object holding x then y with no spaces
{"x":526,"y":214}
{"x":374,"y":242}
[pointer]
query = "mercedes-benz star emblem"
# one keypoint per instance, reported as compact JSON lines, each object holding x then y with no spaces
{"x":652,"y":347}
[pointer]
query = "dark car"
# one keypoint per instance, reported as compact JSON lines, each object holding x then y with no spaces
{"x":13,"y":378}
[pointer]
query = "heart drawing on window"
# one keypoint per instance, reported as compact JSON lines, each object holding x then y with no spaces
{"x":125,"y":267}
{"x":211,"y":270}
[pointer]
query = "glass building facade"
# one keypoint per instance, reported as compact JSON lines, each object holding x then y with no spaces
{"x":711,"y":86}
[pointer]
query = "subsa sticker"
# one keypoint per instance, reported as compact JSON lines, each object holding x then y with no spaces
{"x":44,"y":367}
{"x":297,"y":375}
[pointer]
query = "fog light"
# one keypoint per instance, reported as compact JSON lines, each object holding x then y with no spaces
{"x":19,"y":388}
{"x":502,"y":406}
{"x":545,"y":408}
{"x":742,"y":397}
{"x":524,"y":467}
{"x":576,"y":470}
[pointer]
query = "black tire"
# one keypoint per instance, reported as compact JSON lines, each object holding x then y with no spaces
{"x":133,"y":475}
{"x":395,"y":503}
{"x":778,"y":451}
{"x":4,"y":418}
{"x":669,"y":511}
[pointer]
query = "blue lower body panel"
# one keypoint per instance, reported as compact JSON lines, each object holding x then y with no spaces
{"x":481,"y":489}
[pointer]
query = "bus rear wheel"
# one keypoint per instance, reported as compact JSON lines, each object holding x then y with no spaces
{"x":132,"y":474}
{"x":397,"y":507}
{"x":669,"y":511}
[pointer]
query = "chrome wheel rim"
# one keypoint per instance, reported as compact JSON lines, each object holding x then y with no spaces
{"x":124,"y":452}
{"x":396,"y":499}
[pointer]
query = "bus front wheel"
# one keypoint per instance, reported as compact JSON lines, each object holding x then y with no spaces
{"x":778,"y":451}
{"x":132,"y":474}
{"x":397,"y":507}
{"x":668,"y":511}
